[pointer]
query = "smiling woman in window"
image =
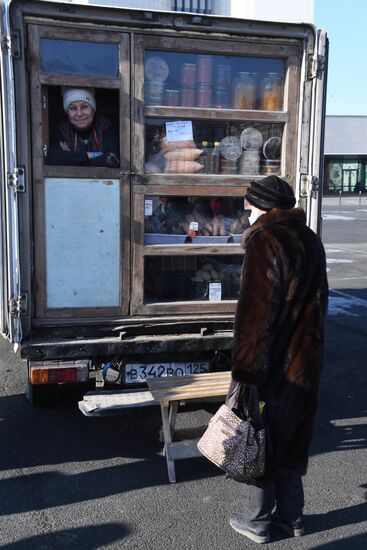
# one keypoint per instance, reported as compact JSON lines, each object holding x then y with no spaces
{"x":84,"y":139}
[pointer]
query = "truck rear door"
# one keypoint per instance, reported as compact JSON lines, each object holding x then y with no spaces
{"x":11,"y":181}
{"x":312,"y":148}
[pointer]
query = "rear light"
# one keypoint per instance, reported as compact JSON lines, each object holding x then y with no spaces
{"x":58,"y":372}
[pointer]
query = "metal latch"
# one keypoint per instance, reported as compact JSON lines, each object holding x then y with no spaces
{"x":16,"y":179}
{"x":315,"y":66}
{"x":19,"y":306}
{"x":11,"y":42}
{"x":309,"y":186}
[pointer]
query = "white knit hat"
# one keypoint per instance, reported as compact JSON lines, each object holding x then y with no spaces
{"x":78,"y":94}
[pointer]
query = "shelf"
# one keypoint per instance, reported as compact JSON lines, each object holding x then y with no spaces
{"x":215,"y":114}
{"x":192,"y":249}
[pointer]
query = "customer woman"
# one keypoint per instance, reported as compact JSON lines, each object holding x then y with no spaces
{"x":83,"y":139}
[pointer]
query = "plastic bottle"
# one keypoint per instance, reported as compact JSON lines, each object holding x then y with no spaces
{"x":213,"y":159}
{"x":203,"y":159}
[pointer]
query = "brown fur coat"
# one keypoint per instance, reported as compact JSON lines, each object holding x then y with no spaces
{"x":278,"y":333}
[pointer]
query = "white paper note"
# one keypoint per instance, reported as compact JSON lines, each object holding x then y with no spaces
{"x":148,"y":207}
{"x":194,"y":226}
{"x":180,"y":130}
{"x":215,"y":292}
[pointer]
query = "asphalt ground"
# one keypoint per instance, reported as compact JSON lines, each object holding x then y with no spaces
{"x":72,"y":482}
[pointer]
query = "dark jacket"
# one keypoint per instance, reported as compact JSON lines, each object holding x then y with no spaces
{"x":278,"y":332}
{"x":101,"y":137}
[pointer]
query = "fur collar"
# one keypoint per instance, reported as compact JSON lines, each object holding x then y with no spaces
{"x":275,"y":215}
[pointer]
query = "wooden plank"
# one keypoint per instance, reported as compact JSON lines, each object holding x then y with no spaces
{"x":193,"y":249}
{"x":183,"y":449}
{"x":291,"y":100}
{"x":191,"y":190}
{"x":218,"y":182}
{"x":79,"y":80}
{"x":264,"y":47}
{"x":204,"y":307}
{"x":188,"y":113}
{"x":176,"y":394}
{"x":168,"y":439}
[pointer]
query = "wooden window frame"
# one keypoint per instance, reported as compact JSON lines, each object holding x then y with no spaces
{"x":39,"y":125}
{"x":202,"y":185}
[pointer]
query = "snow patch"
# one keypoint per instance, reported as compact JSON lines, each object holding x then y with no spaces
{"x":337,"y":217}
{"x":338,"y":261}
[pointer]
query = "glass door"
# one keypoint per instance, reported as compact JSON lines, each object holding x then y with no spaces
{"x":209,"y":118}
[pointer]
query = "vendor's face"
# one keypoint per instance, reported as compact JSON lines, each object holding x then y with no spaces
{"x":80,"y":115}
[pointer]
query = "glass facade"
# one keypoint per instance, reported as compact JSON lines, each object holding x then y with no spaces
{"x":345,"y":174}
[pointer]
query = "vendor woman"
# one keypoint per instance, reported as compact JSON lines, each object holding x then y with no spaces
{"x":84,"y":139}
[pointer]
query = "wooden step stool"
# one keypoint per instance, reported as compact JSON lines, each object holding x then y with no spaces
{"x":169,"y":392}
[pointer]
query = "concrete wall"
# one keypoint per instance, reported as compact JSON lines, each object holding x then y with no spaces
{"x":295,"y":11}
{"x":346,"y":135}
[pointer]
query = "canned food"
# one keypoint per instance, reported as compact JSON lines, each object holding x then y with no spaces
{"x":269,"y":167}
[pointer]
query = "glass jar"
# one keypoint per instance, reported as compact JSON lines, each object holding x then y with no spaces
{"x":154,"y":90}
{"x":204,"y":96}
{"x":271,"y":93}
{"x":188,"y":97}
{"x":188,"y":74}
{"x":172,"y":98}
{"x":222,"y":97}
{"x":224,"y":76}
{"x":244,"y":92}
{"x":204,"y":69}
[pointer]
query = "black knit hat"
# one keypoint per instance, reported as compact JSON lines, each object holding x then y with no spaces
{"x":270,"y":192}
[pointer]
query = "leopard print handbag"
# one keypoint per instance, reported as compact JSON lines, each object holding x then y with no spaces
{"x":235,"y":444}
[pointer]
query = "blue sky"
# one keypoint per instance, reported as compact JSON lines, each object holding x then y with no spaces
{"x":345,"y":23}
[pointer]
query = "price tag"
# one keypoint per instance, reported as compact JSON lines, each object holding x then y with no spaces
{"x":148,"y":207}
{"x":215,"y":292}
{"x":194,"y":226}
{"x":180,"y":130}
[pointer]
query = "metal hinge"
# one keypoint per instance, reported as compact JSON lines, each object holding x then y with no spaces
{"x":44,"y":102}
{"x":19,"y":306}
{"x":11,"y":42}
{"x":309,"y":186}
{"x":315,"y":66}
{"x":16,"y":179}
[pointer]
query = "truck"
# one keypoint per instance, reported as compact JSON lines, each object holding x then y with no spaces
{"x":122,"y":271}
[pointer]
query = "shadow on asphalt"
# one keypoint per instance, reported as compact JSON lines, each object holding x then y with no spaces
{"x":341,"y":421}
{"x":91,"y":536}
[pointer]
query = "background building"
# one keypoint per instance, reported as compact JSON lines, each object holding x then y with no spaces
{"x":345,"y":154}
{"x":292,"y":11}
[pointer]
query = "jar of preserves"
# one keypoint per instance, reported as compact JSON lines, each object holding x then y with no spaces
{"x":204,"y":69}
{"x":172,"y":98}
{"x":204,"y":96}
{"x":222,"y":97}
{"x":271,"y":93}
{"x":224,"y":76}
{"x":154,"y":90}
{"x":188,"y":74}
{"x":244,"y":92}
{"x":187,"y":97}
{"x":249,"y":162}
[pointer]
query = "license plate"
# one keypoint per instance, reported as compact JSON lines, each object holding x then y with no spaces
{"x":136,"y":372}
